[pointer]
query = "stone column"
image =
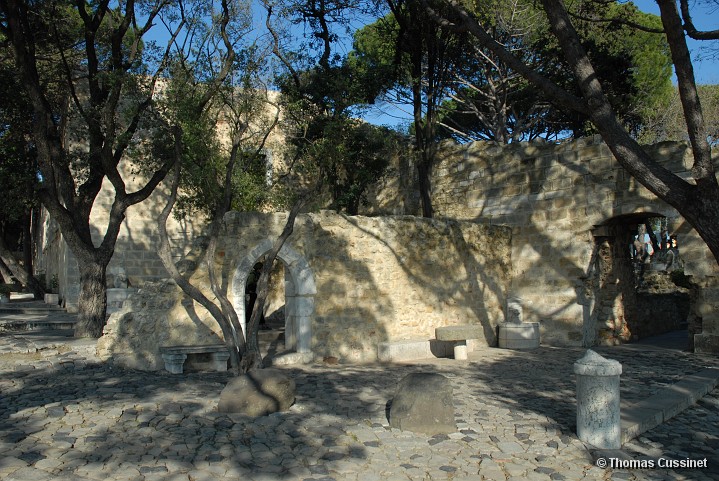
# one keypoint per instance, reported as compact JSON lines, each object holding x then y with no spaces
{"x":305,"y":307}
{"x":290,"y":324}
{"x":290,"y":313}
{"x":598,"y":417}
{"x":174,"y":362}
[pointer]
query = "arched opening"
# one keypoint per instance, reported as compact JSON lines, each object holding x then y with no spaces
{"x":299,"y":294}
{"x":635,"y":296}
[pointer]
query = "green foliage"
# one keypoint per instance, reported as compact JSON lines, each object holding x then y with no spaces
{"x":634,"y":66}
{"x":374,"y":59}
{"x":18,"y":171}
{"x":485,"y":99}
{"x":329,"y":144}
{"x":230,"y":127}
{"x":53,"y":30}
{"x":666,"y":122}
{"x":351,"y":155}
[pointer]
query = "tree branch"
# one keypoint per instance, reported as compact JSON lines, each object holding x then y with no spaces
{"x":469,"y":24}
{"x":691,"y":30}
{"x":627,"y":151}
{"x":703,"y":169}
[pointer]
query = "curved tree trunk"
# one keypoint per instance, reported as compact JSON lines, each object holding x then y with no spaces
{"x":5,"y":273}
{"x":19,"y":272}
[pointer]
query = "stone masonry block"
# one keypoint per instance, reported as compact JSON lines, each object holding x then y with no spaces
{"x":458,"y":333}
{"x":289,"y":256}
{"x":304,"y":306}
{"x":305,"y":282}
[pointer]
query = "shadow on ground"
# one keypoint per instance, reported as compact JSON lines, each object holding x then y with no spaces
{"x":88,"y":420}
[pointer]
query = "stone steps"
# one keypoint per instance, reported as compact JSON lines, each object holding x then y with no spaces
{"x":19,"y":323}
{"x":33,"y":316}
{"x":31,"y":311}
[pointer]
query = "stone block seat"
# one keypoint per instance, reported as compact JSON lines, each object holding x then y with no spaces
{"x":524,"y":335}
{"x":458,"y":335}
{"x":175,"y":356}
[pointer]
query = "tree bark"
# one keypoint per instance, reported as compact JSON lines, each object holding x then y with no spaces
{"x":5,"y":273}
{"x":19,"y":272}
{"x":27,"y":243}
{"x":425,"y":187}
{"x":233,"y":339}
{"x":67,"y":197}
{"x":92,"y":302}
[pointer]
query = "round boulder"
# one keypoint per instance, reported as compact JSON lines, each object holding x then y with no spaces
{"x":258,"y":393}
{"x":423,"y":404}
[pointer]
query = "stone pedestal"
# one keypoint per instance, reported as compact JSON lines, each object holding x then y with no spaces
{"x":519,"y":336}
{"x":514,"y":333}
{"x":458,"y":335}
{"x":219,"y":361}
{"x":175,"y":362}
{"x":52,"y":299}
{"x":514,"y":310}
{"x":460,"y":350}
{"x":598,"y":413}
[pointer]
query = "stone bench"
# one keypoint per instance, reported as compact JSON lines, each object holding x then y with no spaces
{"x":411,"y":350}
{"x":458,"y":335}
{"x":175,"y":356}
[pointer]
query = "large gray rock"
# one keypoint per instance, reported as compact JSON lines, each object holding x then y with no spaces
{"x":258,"y":393}
{"x":423,"y":404}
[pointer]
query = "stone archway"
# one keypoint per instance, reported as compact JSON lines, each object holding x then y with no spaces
{"x":300,"y":293}
{"x":627,"y":308}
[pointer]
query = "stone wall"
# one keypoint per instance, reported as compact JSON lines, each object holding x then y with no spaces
{"x":135,"y":250}
{"x":136,"y":247}
{"x":373,"y":280}
{"x":559,"y":199}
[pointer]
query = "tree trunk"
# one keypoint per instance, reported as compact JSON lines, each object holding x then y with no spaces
{"x":232,"y":335}
{"x":5,"y":273}
{"x":702,"y":213}
{"x":19,"y":272}
{"x":27,"y":243}
{"x":92,"y":303}
{"x":425,"y":188}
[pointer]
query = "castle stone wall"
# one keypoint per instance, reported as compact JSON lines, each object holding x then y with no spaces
{"x":557,"y":198}
{"x":375,"y":280}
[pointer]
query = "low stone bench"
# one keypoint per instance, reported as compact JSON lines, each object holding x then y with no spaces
{"x":458,"y":335}
{"x":411,"y":350}
{"x":175,"y":356}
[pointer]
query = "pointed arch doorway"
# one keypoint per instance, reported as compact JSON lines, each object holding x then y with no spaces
{"x":300,"y":290}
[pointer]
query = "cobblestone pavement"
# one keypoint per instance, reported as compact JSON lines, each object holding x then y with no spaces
{"x":64,"y":415}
